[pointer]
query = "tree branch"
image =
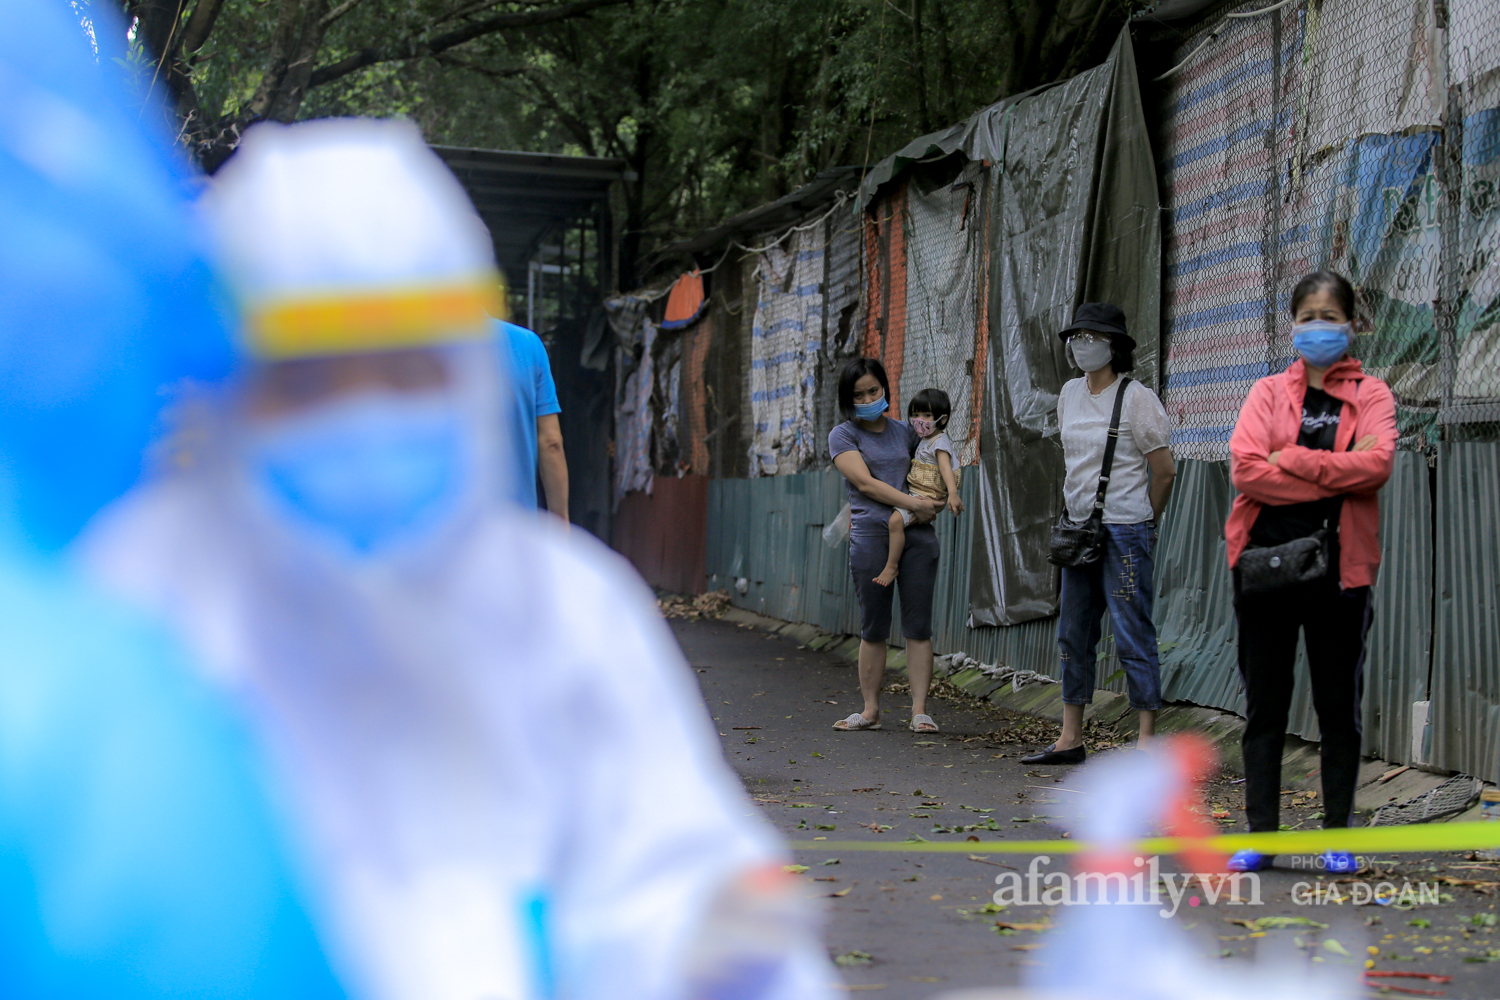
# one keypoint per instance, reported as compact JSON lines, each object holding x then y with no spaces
{"x":416,"y":48}
{"x":294,"y":86}
{"x":478,"y":5}
{"x":200,"y":24}
{"x":339,"y":11}
{"x":448,"y":59}
{"x":283,"y":41}
{"x":570,"y":121}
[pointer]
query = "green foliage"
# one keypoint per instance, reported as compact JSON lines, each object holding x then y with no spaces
{"x":717,"y":105}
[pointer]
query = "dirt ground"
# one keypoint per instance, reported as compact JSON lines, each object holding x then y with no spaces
{"x":913,"y":924}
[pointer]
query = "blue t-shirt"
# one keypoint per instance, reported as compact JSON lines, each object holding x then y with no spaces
{"x":535,"y":395}
{"x":888,"y":457}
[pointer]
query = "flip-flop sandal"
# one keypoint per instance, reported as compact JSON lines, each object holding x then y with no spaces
{"x":922,"y":720}
{"x":855,"y":721}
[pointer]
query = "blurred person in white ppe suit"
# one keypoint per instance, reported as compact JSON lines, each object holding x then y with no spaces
{"x":502,"y":773}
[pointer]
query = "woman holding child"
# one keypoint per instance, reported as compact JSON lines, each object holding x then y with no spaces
{"x":891,"y":538}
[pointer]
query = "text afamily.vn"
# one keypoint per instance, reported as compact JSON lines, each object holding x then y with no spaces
{"x":1148,"y":885}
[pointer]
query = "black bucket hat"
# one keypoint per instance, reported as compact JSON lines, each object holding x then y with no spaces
{"x":1101,"y":317}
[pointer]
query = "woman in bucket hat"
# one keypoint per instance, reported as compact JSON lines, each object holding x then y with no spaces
{"x":1119,"y":580}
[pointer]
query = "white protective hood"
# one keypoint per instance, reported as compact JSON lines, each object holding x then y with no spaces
{"x":497,"y":762}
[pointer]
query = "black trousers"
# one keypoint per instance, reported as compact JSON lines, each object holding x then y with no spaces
{"x":1335,"y":623}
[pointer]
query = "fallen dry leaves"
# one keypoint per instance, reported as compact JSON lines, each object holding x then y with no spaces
{"x":711,"y":605}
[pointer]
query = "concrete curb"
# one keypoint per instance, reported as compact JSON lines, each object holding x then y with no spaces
{"x":1300,"y":765}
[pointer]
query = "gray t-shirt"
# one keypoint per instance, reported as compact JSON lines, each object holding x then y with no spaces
{"x":888,"y":457}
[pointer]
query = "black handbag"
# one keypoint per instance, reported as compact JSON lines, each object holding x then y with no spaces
{"x":1298,"y":561}
{"x":1080,"y":543}
{"x":1302,"y":560}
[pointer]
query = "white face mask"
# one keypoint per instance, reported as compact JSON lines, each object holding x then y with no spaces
{"x":1090,"y":354}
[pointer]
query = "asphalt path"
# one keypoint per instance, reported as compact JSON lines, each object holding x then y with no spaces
{"x":911,"y":924}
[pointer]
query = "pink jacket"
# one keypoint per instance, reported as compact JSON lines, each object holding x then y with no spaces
{"x":1270,"y":421}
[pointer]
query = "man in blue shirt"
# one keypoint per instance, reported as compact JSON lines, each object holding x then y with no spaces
{"x":536,"y":429}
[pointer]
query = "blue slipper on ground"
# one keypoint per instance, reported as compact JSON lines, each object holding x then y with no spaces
{"x":1249,"y":861}
{"x":1340,"y":863}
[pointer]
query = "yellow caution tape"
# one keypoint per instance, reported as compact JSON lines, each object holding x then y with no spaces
{"x":1356,"y":840}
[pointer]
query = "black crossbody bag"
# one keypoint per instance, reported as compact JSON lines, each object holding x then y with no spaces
{"x":1080,"y":543}
{"x":1302,"y":560}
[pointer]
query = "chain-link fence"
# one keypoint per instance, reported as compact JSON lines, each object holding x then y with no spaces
{"x":1471,"y":352}
{"x":926,"y":289}
{"x":945,"y":302}
{"x":1348,"y":135}
{"x":1362,"y":137}
{"x":751,"y":388}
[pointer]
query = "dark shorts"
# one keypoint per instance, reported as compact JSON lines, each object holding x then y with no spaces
{"x":918,"y":577}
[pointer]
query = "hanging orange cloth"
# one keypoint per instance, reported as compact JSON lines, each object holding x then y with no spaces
{"x":684,"y":302}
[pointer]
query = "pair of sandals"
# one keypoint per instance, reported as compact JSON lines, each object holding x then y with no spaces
{"x":918,"y":724}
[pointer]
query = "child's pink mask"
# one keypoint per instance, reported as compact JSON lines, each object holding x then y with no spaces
{"x":923,"y":426}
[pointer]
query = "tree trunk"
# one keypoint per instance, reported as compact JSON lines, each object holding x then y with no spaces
{"x":924,"y":113}
{"x":156,"y":23}
{"x":289,"y":65}
{"x":639,"y":158}
{"x":294,"y":82}
{"x":200,"y":25}
{"x":951,"y":111}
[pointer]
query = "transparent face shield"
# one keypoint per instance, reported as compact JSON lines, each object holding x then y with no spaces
{"x":371,"y":458}
{"x":345,"y":492}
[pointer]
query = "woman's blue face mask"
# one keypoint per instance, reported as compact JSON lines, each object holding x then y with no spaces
{"x":370,"y":471}
{"x":1321,"y":342}
{"x":871,"y":410}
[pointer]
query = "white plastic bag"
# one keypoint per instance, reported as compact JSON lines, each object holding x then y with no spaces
{"x":837,"y":531}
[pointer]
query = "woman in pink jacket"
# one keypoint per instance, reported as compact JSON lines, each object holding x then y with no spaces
{"x":1310,"y":450}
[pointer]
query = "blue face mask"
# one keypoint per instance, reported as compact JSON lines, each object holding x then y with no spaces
{"x":370,"y":471}
{"x":870,"y":411}
{"x":1320,"y":342}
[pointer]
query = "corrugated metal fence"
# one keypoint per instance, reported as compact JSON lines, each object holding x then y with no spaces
{"x":1466,"y":675}
{"x":768,"y":533}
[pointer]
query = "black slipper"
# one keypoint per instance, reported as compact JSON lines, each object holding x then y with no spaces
{"x":1052,"y":755}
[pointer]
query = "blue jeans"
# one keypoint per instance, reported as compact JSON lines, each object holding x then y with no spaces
{"x":1120,"y":582}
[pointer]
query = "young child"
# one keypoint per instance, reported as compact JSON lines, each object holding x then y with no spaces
{"x":933,"y":474}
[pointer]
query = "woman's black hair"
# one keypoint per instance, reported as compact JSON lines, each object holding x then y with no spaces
{"x":1121,"y":354}
{"x":1330,"y":281}
{"x":933,"y":401}
{"x":852,"y":373}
